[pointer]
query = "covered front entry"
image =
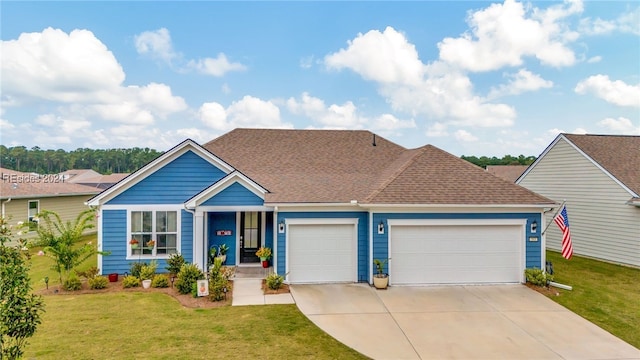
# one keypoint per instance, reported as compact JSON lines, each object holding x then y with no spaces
{"x":321,"y":250}
{"x":243,"y":232}
{"x":456,"y":252}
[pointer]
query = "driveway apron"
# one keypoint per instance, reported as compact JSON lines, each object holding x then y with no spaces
{"x":455,"y":322}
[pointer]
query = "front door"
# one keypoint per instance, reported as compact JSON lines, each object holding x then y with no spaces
{"x":250,"y":240}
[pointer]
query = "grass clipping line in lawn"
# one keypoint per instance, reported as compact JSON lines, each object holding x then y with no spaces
{"x":148,"y":325}
{"x":603,"y":293}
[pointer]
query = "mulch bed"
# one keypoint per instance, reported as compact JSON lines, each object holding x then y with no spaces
{"x":185,"y":300}
{"x":546,"y":291}
{"x":284,"y":289}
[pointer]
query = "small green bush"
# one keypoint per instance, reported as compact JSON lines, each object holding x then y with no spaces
{"x":274,"y":281}
{"x":537,"y":277}
{"x":72,"y":283}
{"x":90,"y":273}
{"x":135,"y":269}
{"x":188,"y":275}
{"x":174,"y":263}
{"x":160,"y":281}
{"x":98,"y":282}
{"x":148,"y":270}
{"x":218,"y":280}
{"x":130,"y":281}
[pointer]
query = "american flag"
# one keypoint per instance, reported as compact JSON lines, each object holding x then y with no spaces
{"x":562,"y":220}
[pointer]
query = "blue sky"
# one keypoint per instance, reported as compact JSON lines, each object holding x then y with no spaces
{"x":473,"y":78}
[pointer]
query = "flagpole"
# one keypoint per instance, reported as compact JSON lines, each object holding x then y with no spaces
{"x":554,"y":216}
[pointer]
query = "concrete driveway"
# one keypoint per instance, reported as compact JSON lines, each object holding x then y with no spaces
{"x":455,"y":322}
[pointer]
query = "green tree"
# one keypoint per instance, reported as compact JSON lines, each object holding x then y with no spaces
{"x":20,"y":309}
{"x":59,"y":240}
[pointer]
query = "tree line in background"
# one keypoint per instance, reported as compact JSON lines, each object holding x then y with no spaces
{"x":107,"y":161}
{"x":104,"y":161}
{"x":483,"y":161}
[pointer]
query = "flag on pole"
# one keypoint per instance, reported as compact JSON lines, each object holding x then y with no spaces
{"x":562,"y":220}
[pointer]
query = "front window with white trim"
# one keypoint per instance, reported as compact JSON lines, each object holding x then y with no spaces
{"x":153,"y":233}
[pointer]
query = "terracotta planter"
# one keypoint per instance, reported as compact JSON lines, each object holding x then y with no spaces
{"x":381,"y":282}
{"x":113,"y":277}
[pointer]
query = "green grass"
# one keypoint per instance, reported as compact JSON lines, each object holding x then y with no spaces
{"x":138,"y":325}
{"x":41,"y":265}
{"x":606,"y":294}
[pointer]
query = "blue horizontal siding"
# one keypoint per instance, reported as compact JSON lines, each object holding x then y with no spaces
{"x":223,"y":221}
{"x":174,"y":183}
{"x":363,"y":237}
{"x":533,"y":250}
{"x":235,"y":194}
{"x":114,"y":239}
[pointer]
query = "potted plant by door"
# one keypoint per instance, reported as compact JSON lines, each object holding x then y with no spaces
{"x":222,"y":252}
{"x":264,"y":253}
{"x":380,"y":279}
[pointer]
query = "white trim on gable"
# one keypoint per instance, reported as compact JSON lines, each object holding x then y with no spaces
{"x":155,"y":165}
{"x":575,"y":147}
{"x":219,"y":186}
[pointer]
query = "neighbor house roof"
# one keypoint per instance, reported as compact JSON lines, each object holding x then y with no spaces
{"x":617,"y":154}
{"x":337,"y":166}
{"x":507,"y":172}
{"x":16,"y":185}
{"x":92,"y":178}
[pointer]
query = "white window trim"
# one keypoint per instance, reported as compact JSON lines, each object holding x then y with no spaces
{"x":35,"y":215}
{"x":154,"y":209}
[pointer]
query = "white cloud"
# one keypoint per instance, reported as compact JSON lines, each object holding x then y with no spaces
{"x":6,"y":125}
{"x":226,"y":89}
{"x":384,"y":57}
{"x":57,"y":66}
{"x":523,"y":80}
{"x":625,"y":23}
{"x":616,"y":92}
{"x":438,"y":129}
{"x":620,"y":125}
{"x":156,"y":44}
{"x":464,"y":136}
{"x":436,"y":90}
{"x":159,"y":99}
{"x":306,"y":62}
{"x":247,"y":112}
{"x":503,"y":34}
{"x":594,"y":59}
{"x":345,"y":116}
{"x":215,"y":66}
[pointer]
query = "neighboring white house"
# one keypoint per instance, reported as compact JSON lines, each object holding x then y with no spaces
{"x":599,"y":177}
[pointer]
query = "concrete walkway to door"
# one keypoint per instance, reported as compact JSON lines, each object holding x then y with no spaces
{"x":455,"y":322}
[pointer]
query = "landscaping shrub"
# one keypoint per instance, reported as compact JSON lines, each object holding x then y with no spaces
{"x":130,"y":281}
{"x":135,"y":268}
{"x":90,"y":273}
{"x":174,"y":263}
{"x":188,"y":275}
{"x":98,"y":282}
{"x":160,"y":281}
{"x":274,"y":281}
{"x":537,"y":277}
{"x":72,"y":283}
{"x":147,"y":271}
{"x":218,"y":280}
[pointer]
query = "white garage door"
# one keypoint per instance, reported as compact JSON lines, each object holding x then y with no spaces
{"x":320,"y":252}
{"x":456,"y":254}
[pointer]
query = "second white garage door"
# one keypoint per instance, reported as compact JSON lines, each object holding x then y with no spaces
{"x":456,"y":254}
{"x":321,"y":252}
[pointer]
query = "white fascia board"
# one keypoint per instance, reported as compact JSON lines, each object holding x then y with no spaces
{"x":455,"y":222}
{"x":546,"y":150}
{"x":144,"y":207}
{"x":155,"y":165}
{"x":230,"y":179}
{"x":232,"y":208}
{"x":439,"y":208}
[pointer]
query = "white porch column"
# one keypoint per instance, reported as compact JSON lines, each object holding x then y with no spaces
{"x":198,"y":243}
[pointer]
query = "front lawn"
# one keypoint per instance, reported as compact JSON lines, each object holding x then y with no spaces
{"x":146,"y":325}
{"x":151,"y":325}
{"x":606,"y":294}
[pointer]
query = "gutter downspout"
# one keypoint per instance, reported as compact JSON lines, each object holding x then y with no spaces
{"x":193,"y":225}
{"x":5,"y":202}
